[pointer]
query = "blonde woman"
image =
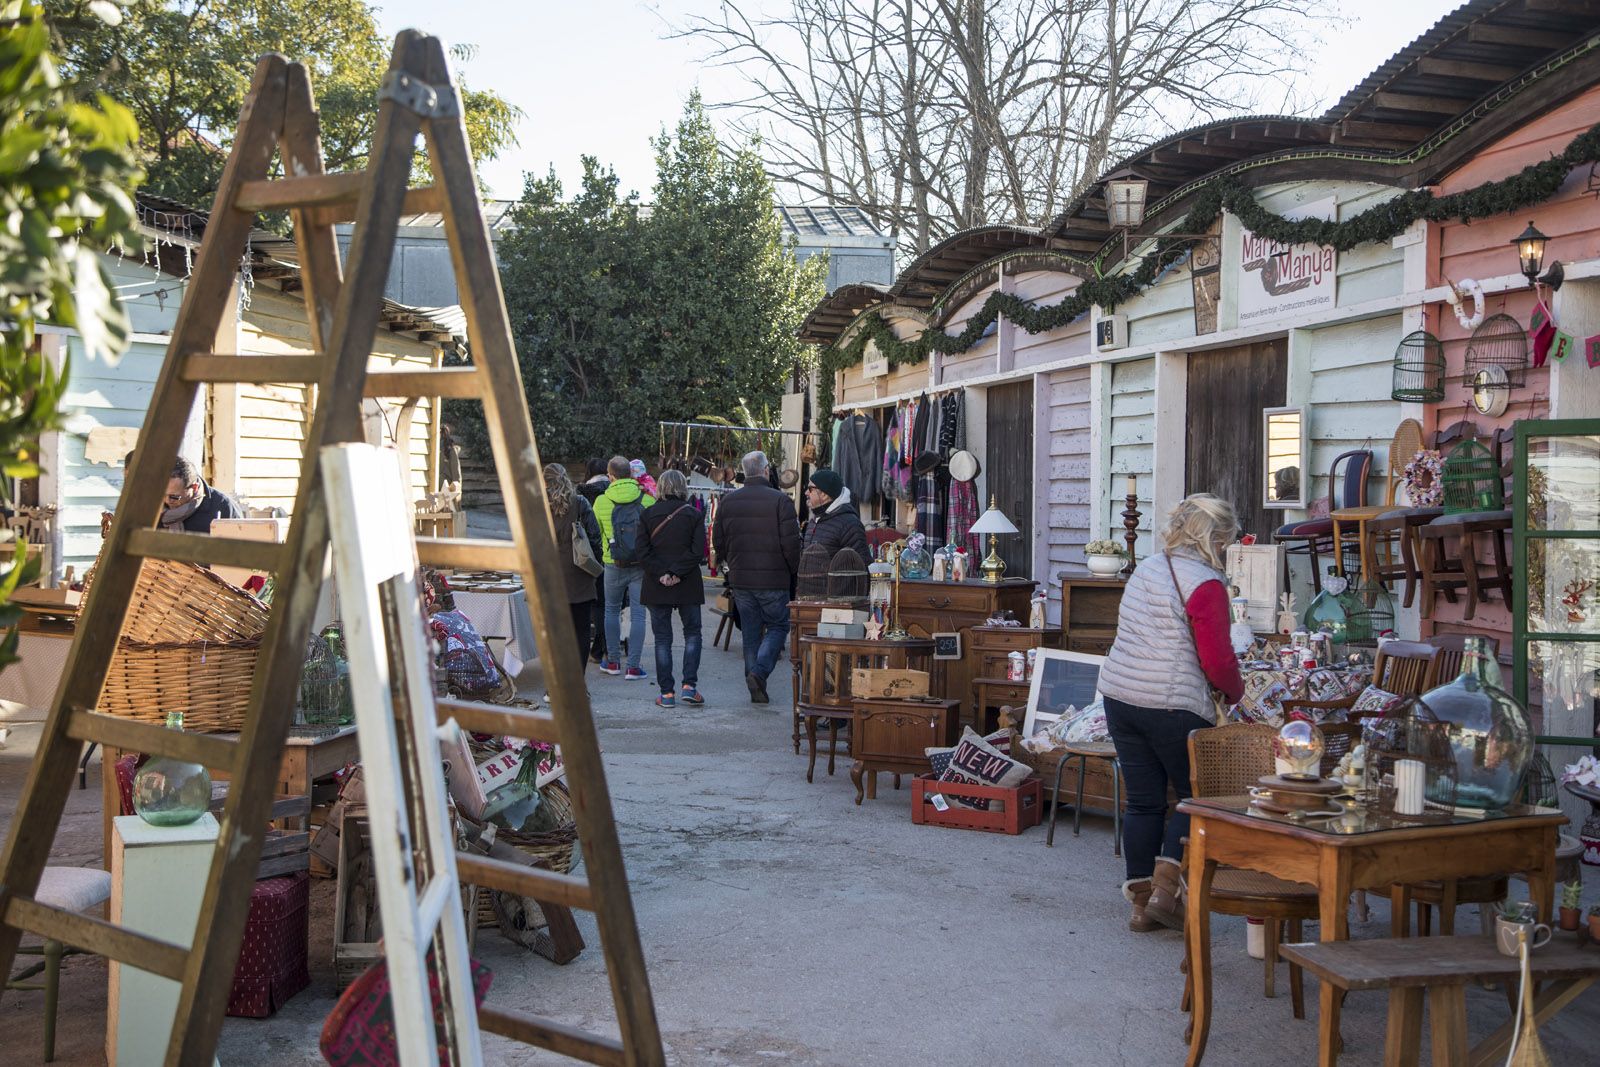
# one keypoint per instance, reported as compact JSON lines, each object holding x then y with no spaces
{"x":1171,"y":649}
{"x":568,"y":506}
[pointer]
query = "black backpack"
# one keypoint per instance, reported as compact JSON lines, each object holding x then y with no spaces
{"x":625,"y":520}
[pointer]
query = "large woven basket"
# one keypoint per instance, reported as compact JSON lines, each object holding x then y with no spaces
{"x":554,"y":849}
{"x":189,"y":642}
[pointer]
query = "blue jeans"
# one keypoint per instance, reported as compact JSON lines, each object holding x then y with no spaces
{"x":618,"y":581}
{"x":764,"y":626}
{"x":1153,"y":750}
{"x":661,"y":626}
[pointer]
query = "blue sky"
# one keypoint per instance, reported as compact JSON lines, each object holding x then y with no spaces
{"x":598,"y":77}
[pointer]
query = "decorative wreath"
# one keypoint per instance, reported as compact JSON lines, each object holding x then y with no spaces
{"x":1458,"y":296}
{"x":1424,"y":479}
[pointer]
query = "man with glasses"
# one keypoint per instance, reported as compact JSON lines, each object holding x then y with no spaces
{"x":192,"y":504}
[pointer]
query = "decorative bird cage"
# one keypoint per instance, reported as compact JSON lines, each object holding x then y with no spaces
{"x":1410,"y":767}
{"x":1372,"y":616}
{"x":812,"y":582}
{"x":1418,"y":369}
{"x":325,"y":697}
{"x":1501,"y":341}
{"x":1471,"y":480}
{"x":848,"y":583}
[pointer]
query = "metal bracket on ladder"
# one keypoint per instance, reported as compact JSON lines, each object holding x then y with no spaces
{"x":428,"y":101}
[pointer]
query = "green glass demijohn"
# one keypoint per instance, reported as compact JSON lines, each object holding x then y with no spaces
{"x":1339,"y":613}
{"x":171,"y":792}
{"x":1491,"y":742}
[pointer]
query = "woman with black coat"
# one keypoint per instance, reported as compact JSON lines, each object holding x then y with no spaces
{"x":567,"y":507}
{"x":673,"y":542}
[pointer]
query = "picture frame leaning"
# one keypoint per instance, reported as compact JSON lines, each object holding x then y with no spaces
{"x":1061,"y":680}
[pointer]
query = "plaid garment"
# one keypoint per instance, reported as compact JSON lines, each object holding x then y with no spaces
{"x":930,"y":509}
{"x":963,"y":513}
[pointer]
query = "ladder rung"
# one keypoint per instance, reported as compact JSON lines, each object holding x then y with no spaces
{"x":325,"y":191}
{"x":545,"y":886}
{"x":212,"y":551}
{"x":99,"y":937}
{"x":480,"y":718}
{"x":130,"y":735}
{"x":439,"y":895}
{"x":459,"y":383}
{"x":549,"y":1034}
{"x":469,"y":553}
{"x":257,"y":370}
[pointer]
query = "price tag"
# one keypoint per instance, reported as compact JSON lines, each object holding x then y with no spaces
{"x":939,"y":802}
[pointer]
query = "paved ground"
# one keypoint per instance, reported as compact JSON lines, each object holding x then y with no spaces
{"x":782,"y":924}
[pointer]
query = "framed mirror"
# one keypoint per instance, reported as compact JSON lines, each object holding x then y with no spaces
{"x":1284,"y":454}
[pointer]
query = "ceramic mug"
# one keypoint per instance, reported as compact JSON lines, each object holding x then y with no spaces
{"x":1505,"y":935}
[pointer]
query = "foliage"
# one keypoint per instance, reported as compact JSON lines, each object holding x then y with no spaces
{"x":625,"y":317}
{"x":1531,"y":185}
{"x":65,"y":162}
{"x":184,"y":66}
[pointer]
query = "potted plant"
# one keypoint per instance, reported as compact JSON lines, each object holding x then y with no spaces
{"x":1571,"y":910}
{"x":1594,"y":923}
{"x":1104,"y":557}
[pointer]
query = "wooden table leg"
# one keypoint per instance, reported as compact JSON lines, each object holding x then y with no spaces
{"x":1399,"y":910}
{"x":833,"y":742}
{"x":1197,"y":928}
{"x":1542,"y":878}
{"x":872,"y":785}
{"x":1402,"y":1045}
{"x":1334,"y":925}
{"x":110,"y":798}
{"x":857,"y":769}
{"x":811,"y":740}
{"x":1338,"y":549}
{"x":1447,"y":1024}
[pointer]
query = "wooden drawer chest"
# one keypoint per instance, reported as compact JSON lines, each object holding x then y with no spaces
{"x":988,"y":656}
{"x":1089,"y":606}
{"x":890,"y":735}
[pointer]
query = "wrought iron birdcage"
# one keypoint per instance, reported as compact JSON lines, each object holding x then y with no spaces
{"x":1500,"y":341}
{"x":1471,"y":480}
{"x":848,"y":583}
{"x":1418,"y":369}
{"x":812,"y":582}
{"x":1410,"y":766}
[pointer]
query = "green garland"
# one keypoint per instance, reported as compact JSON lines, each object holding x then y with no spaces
{"x":1533,"y":184}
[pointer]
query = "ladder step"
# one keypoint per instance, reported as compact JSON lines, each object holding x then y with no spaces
{"x":439,"y":895}
{"x":203,"y":549}
{"x":545,"y":886}
{"x":99,"y":937}
{"x":130,"y":735}
{"x":337,"y":191}
{"x":480,"y":718}
{"x":549,"y":1034}
{"x":457,"y":383}
{"x":257,"y":370}
{"x":469,"y":553}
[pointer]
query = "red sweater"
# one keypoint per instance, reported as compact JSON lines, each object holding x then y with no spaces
{"x":1207,"y":608}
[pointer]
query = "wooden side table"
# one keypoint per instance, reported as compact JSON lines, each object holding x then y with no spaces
{"x":988,"y":652}
{"x":890,"y":735}
{"x":1089,"y":606}
{"x":826,"y":664}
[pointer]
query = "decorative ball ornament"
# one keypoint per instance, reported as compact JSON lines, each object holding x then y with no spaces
{"x":1491,"y":391}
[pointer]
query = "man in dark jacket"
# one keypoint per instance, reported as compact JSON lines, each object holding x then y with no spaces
{"x":835,"y":522}
{"x":192,"y":504}
{"x":757,"y":538}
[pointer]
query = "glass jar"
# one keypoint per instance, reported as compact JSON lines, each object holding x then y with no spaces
{"x":1330,"y":613}
{"x":915,"y":563}
{"x":1491,"y":742}
{"x":171,"y":792}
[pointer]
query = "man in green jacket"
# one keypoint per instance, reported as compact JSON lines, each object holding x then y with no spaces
{"x":620,"y":510}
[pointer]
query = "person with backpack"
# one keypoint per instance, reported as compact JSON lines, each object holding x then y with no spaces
{"x":674,"y":534}
{"x":620,"y":510}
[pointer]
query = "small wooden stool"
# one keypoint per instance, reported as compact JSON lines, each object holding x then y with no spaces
{"x":1083,"y":752}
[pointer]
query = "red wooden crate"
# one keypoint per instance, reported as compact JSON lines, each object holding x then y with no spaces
{"x":1023,"y":805}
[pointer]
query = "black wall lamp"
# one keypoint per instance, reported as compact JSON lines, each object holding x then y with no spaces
{"x":1530,"y":251}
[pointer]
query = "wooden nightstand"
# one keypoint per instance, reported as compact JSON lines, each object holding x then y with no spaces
{"x":988,"y":652}
{"x":890,"y":735}
{"x":1089,"y":606}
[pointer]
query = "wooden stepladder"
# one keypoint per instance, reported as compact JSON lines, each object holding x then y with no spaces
{"x":343,"y":307}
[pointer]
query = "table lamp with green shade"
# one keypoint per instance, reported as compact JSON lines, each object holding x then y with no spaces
{"x":993,"y":523}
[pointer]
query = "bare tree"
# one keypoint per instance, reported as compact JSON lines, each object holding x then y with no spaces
{"x":938,"y":115}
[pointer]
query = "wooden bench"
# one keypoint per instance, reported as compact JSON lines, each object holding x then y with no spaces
{"x":1442,"y":966}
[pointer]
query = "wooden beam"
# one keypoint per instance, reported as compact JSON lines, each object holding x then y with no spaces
{"x":543,"y":886}
{"x":99,"y":937}
{"x":1443,"y":105}
{"x":1397,"y":132}
{"x":207,"y":551}
{"x":459,"y":383}
{"x":546,"y":1033}
{"x":131,"y":735}
{"x":340,"y":191}
{"x":1468,"y":69}
{"x":480,"y":718}
{"x":1488,"y":33}
{"x":258,"y":370}
{"x":469,"y":553}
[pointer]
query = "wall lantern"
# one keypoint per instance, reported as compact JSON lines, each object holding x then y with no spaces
{"x":1530,"y":250}
{"x":1125,"y":202}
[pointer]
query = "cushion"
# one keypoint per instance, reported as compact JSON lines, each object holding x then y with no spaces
{"x":73,"y":888}
{"x":1087,"y":725}
{"x":1306,"y":528}
{"x":1406,"y":513}
{"x":1502,"y":514}
{"x":1325,"y":683}
{"x":1374,"y":701}
{"x":940,"y":757}
{"x":359,"y":1032}
{"x":976,"y":762}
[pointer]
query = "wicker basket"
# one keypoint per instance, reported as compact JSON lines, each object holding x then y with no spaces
{"x":554,"y":849}
{"x":183,"y":603}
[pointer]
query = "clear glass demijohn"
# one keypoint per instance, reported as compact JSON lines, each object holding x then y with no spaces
{"x":171,"y":792}
{"x":1491,"y":742}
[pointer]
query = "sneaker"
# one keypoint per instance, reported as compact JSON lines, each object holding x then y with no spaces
{"x":665,"y":701}
{"x":610,"y":666}
{"x":691,"y":695}
{"x":634,"y":674}
{"x":757,"y":687}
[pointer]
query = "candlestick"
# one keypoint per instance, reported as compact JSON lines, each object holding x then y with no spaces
{"x":1130,"y":522}
{"x":1133,"y":486}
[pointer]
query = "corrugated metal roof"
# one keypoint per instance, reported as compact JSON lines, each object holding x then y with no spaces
{"x":827,"y":220}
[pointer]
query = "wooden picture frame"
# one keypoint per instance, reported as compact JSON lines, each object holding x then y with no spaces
{"x":1060,"y":679}
{"x":947,"y":645}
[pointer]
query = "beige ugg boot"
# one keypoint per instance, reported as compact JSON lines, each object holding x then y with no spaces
{"x":1166,"y":902}
{"x":1137,"y":891}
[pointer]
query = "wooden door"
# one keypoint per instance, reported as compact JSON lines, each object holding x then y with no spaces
{"x":1008,"y":467}
{"x":1227,"y":390}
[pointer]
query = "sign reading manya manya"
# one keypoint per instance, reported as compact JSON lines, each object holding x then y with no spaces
{"x":1276,"y":280}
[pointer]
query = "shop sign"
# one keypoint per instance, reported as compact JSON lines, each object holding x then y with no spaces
{"x":1277,"y":280}
{"x":874,"y":364}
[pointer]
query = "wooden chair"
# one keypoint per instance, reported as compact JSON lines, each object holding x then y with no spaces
{"x":1452,"y":650}
{"x":1347,"y":488}
{"x":1227,"y":761}
{"x":1399,"y":526}
{"x":1356,"y":521}
{"x":1442,"y":572}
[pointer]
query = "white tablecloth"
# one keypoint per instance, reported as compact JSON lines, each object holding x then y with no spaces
{"x":27,"y":688}
{"x":502,"y":615}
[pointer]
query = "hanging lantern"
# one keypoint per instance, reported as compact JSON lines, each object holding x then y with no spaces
{"x":1530,"y":251}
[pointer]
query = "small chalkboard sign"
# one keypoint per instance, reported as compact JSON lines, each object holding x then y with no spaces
{"x":1063,"y":682}
{"x":947,"y":645}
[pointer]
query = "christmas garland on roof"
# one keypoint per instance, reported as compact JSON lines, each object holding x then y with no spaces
{"x":1532,"y":185}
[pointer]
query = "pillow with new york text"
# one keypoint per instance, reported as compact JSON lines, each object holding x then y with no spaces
{"x":976,"y":762}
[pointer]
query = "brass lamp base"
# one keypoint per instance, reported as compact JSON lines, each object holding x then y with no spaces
{"x":993,"y":567}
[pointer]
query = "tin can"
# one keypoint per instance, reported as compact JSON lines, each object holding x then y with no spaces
{"x":1288,"y":657}
{"x":1033,"y":658}
{"x":1016,"y":667}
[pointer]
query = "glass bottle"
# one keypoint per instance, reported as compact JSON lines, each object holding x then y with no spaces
{"x":1491,"y":741}
{"x":171,"y":792}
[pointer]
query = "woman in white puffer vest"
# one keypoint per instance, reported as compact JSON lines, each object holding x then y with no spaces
{"x":1172,"y":648}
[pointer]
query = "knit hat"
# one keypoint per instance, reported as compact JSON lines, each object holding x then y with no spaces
{"x":828,"y":481}
{"x":636,"y":466}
